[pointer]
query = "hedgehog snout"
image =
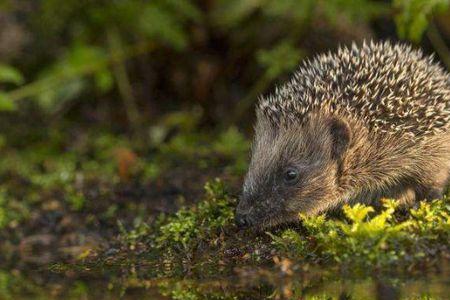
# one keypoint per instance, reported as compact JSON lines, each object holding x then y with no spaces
{"x":241,"y":221}
{"x":243,"y":211}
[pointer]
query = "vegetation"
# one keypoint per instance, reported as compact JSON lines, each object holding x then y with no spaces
{"x":124,"y":134}
{"x":201,"y":241}
{"x":372,"y":242}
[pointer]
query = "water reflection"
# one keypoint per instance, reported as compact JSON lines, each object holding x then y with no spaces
{"x":434,"y":287}
{"x":262,"y":284}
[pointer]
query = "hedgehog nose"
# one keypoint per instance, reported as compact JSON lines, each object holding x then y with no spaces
{"x":241,"y":221}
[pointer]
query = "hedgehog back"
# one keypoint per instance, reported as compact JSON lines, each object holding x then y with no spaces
{"x":391,"y":88}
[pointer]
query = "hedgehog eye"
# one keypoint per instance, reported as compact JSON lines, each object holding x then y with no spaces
{"x":291,"y":176}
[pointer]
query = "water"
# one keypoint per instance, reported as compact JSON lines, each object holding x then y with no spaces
{"x":245,"y":283}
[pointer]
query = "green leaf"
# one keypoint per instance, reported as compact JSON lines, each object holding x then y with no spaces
{"x":231,"y":13}
{"x":6,"y":104}
{"x":10,"y":74}
{"x":357,"y":213}
{"x":52,"y":99}
{"x":67,"y":75}
{"x":356,"y":10}
{"x":104,"y":80}
{"x":412,"y":19}
{"x":299,"y":11}
{"x":282,"y":58}
{"x":81,"y":55}
{"x":162,"y":24}
{"x":185,"y":8}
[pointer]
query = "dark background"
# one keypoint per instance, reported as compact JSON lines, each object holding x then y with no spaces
{"x":123,"y":64}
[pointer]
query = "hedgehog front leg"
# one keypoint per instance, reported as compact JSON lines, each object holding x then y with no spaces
{"x":408,"y":197}
{"x":434,"y":187}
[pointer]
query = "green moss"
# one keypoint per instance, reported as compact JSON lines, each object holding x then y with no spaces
{"x":14,"y":286}
{"x":364,"y":238}
{"x":370,"y":240}
{"x":190,"y":225}
{"x":12,"y":211}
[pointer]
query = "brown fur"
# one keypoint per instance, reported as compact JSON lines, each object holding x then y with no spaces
{"x":340,"y":159}
{"x":372,"y":166}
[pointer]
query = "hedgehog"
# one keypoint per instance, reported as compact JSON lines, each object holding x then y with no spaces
{"x":364,"y":123}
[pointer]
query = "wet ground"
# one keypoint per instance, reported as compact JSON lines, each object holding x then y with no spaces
{"x":90,"y":215}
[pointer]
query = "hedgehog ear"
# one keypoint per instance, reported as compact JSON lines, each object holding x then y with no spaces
{"x":340,"y":135}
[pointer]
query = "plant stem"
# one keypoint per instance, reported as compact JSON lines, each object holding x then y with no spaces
{"x":42,"y":85}
{"x":123,"y":81}
{"x":439,"y":44}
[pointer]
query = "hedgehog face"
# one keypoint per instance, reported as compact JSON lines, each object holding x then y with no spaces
{"x":294,"y":169}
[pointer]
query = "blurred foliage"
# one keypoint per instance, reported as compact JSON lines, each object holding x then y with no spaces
{"x":12,"y":285}
{"x":9,"y":75}
{"x":414,"y":15}
{"x":233,"y":13}
{"x":89,"y":50}
{"x":101,"y":157}
{"x":282,"y":58}
{"x":69,"y":69}
{"x":12,"y":210}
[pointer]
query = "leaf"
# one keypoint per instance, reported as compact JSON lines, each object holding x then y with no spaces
{"x":282,"y":58}
{"x":297,"y":10}
{"x":157,"y":22}
{"x":6,"y":104}
{"x":358,"y":212}
{"x":81,"y":55}
{"x":417,"y":27}
{"x":104,"y":80}
{"x":71,"y":66}
{"x":356,"y":10}
{"x":412,"y":19}
{"x":231,"y":13}
{"x":186,"y":8}
{"x":10,"y":74}
{"x":51,"y":99}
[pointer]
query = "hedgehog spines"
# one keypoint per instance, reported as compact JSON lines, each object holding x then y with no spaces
{"x":391,"y":87}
